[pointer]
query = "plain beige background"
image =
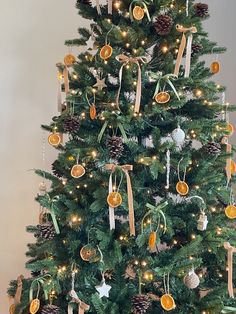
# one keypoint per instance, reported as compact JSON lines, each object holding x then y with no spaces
{"x":32,"y":37}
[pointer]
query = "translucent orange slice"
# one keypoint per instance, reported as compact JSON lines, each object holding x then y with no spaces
{"x":92,"y":112}
{"x":162,"y":97}
{"x":106,"y":52}
{"x":182,"y":188}
{"x":152,"y":240}
{"x":34,"y":306}
{"x":215,"y":67}
{"x":54,"y":139}
{"x":69,"y":60}
{"x":230,"y":129}
{"x":77,"y":171}
{"x":230,"y":211}
{"x":138,"y":13}
{"x":232,"y":167}
{"x":114,"y":199}
{"x":167,"y":302}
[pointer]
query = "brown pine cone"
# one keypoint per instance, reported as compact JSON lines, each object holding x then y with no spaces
{"x":201,"y":10}
{"x":140,"y":304}
{"x":50,"y":309}
{"x":196,"y":48}
{"x":115,"y":147}
{"x":163,"y":24}
{"x":212,"y":148}
{"x":71,"y":124}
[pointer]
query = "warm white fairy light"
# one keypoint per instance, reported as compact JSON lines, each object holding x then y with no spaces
{"x":94,"y":153}
{"x":144,"y":263}
{"x":124,"y":33}
{"x":117,"y":4}
{"x":164,"y":49}
{"x":193,"y":236}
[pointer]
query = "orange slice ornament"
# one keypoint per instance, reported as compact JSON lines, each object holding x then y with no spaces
{"x":106,"y":52}
{"x":92,"y":112}
{"x":152,"y":240}
{"x":69,"y":60}
{"x":167,"y":302}
{"x":138,"y":13}
{"x":230,"y":129}
{"x":114,"y":199}
{"x":12,"y":309}
{"x":230,"y":211}
{"x":34,"y":306}
{"x":77,"y":171}
{"x":89,"y":253}
{"x":54,"y":139}
{"x":162,"y":97}
{"x":215,"y":67}
{"x":232,"y":167}
{"x":182,"y":188}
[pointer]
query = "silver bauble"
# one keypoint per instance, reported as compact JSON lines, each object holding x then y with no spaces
{"x":178,"y":136}
{"x":191,"y":280}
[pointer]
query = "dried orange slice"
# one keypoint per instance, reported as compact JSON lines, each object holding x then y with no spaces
{"x":167,"y":302}
{"x":232,"y":167}
{"x":138,"y":13}
{"x":162,"y":97}
{"x":90,"y":253}
{"x":92,"y":112}
{"x":69,"y":60}
{"x":230,"y":129}
{"x":106,"y":52}
{"x":54,"y":139}
{"x":77,"y":171}
{"x":12,"y":309}
{"x":34,"y":306}
{"x":152,"y":240}
{"x":182,"y":188}
{"x":215,"y":67}
{"x":230,"y":211}
{"x":114,"y":199}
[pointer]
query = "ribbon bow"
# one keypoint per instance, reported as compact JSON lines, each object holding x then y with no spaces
{"x":230,"y":250}
{"x":167,"y":80}
{"x":125,"y":60}
{"x":125,"y":169}
{"x":82,"y":307}
{"x":157,"y":209}
{"x":191,"y":30}
{"x":141,"y":3}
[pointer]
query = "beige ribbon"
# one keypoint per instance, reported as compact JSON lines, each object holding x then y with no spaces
{"x":230,"y":250}
{"x":126,"y":169}
{"x":228,"y":162}
{"x":125,"y":60}
{"x":109,"y":6}
{"x":66,"y":79}
{"x":17,"y":298}
{"x":182,"y":29}
{"x":82,"y":307}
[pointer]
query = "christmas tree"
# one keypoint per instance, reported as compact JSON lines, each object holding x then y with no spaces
{"x":138,"y":215}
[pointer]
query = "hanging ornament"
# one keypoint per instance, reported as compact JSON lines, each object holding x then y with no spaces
{"x":152,"y":240}
{"x":69,"y":60}
{"x":230,"y":129}
{"x":103,"y":289}
{"x":167,"y":301}
{"x":90,"y":253}
{"x":201,"y":9}
{"x":202,"y":222}
{"x":92,"y":107}
{"x":178,"y":136}
{"x":54,"y":139}
{"x":215,"y":67}
{"x":140,"y":304}
{"x":233,"y":167}
{"x":163,"y":24}
{"x":71,"y":124}
{"x":138,"y":11}
{"x":34,"y":303}
{"x":230,"y":250}
{"x":212,"y":148}
{"x":162,"y":97}
{"x":100,"y":84}
{"x":114,"y":198}
{"x":50,"y":309}
{"x":184,"y":43}
{"x":34,"y":306}
{"x":18,"y":294}
{"x":106,"y":52}
{"x":182,"y":187}
{"x":191,"y":280}
{"x":115,"y":147}
{"x":45,"y":231}
{"x":42,"y":188}
{"x":77,"y":170}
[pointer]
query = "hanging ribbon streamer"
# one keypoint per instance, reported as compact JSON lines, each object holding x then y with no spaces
{"x":17,"y":297}
{"x":167,"y":168}
{"x":191,"y":30}
{"x":166,"y":79}
{"x":187,"y":7}
{"x":125,"y":60}
{"x":66,"y":79}
{"x":98,"y":7}
{"x":59,"y":97}
{"x":126,"y":169}
{"x":143,"y":5}
{"x":109,"y":6}
{"x":39,"y":281}
{"x":155,"y":209}
{"x":120,"y":127}
{"x":82,"y":307}
{"x":53,"y":215}
{"x":230,"y":250}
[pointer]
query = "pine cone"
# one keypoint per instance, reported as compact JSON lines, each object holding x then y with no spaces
{"x":86,"y":2}
{"x":212,"y":148}
{"x":140,"y":303}
{"x":201,"y":10}
{"x":56,"y":169}
{"x":115,"y":147}
{"x":71,"y":124}
{"x":35,"y":273}
{"x":50,"y":309}
{"x":46,"y":231}
{"x":163,"y":24}
{"x":196,"y":48}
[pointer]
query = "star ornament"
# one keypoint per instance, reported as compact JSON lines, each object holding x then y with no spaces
{"x":100,"y":83}
{"x":103,"y":290}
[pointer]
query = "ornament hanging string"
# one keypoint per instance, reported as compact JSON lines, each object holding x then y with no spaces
{"x":111,"y":209}
{"x":230,"y":249}
{"x":167,"y":80}
{"x":136,"y":60}
{"x":167,"y":169}
{"x":126,"y":169}
{"x":191,"y":30}
{"x":82,"y":307}
{"x":166,"y":283}
{"x":143,"y":4}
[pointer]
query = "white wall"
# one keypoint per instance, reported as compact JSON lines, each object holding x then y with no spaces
{"x":32,"y":37}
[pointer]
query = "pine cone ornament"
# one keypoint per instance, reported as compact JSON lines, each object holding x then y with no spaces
{"x":35,"y":273}
{"x":56,"y":169}
{"x":140,"y":304}
{"x":212,"y":148}
{"x":115,"y":147}
{"x":196,"y":48}
{"x":201,"y":10}
{"x":71,"y":124}
{"x":163,"y":24}
{"x":46,"y":231}
{"x":50,"y":309}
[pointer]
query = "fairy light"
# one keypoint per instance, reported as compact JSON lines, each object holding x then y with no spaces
{"x":90,"y":176}
{"x":94,"y":154}
{"x":83,"y":114}
{"x":178,"y":41}
{"x":172,"y":6}
{"x":141,"y":160}
{"x":144,"y":263}
{"x":75,"y":76}
{"x":109,"y":21}
{"x":143,"y":42}
{"x":135,"y":83}
{"x":164,"y":49}
{"x":148,"y":276}
{"x":124,"y":33}
{"x":73,"y":91}
{"x":191,"y":258}
{"x":220,"y":275}
{"x":136,"y":262}
{"x":218,"y":231}
{"x":154,"y":157}
{"x":60,"y":75}
{"x":121,"y":238}
{"x":197,"y":187}
{"x":209,"y":250}
{"x":175,"y":242}
{"x":127,"y":45}
{"x":75,"y":219}
{"x":193,"y":236}
{"x":105,"y":62}
{"x":117,"y":4}
{"x":85,"y":186}
{"x":127,"y":66}
{"x":198,"y":92}
{"x":64,"y":181}
{"x":135,"y":51}
{"x":213,"y":209}
{"x":70,"y":192}
{"x":176,"y":51}
{"x":149,"y":221}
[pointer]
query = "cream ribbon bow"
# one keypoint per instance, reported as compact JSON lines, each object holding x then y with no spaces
{"x":230,"y":250}
{"x":191,"y":30}
{"x":82,"y":307}
{"x":125,"y":60}
{"x":125,"y":169}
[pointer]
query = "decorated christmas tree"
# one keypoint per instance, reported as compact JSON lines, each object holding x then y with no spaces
{"x":136,"y":216}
